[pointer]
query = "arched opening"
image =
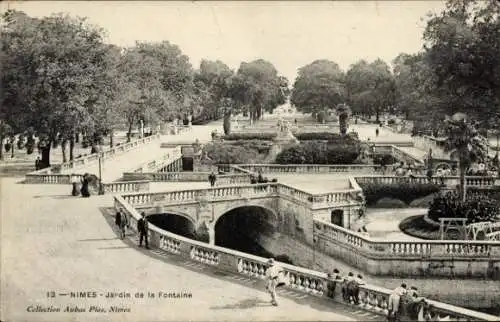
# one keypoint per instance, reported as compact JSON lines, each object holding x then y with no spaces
{"x":174,"y":223}
{"x":249,"y":229}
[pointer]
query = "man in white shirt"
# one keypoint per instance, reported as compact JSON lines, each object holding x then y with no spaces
{"x":272,"y":277}
{"x":393,"y":305}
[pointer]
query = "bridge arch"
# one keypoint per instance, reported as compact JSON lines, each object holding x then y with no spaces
{"x":175,"y":222}
{"x":241,"y":227}
{"x":251,"y":206}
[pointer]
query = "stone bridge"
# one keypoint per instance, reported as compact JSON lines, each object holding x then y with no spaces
{"x":290,"y":210}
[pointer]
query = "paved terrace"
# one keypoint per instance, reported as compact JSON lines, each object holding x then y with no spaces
{"x":54,"y":242}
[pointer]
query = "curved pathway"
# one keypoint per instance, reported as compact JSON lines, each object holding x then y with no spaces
{"x":54,"y":242}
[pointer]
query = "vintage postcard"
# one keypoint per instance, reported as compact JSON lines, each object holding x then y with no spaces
{"x":250,"y":161}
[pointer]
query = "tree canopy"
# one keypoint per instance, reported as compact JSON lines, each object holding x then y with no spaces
{"x":319,"y":86}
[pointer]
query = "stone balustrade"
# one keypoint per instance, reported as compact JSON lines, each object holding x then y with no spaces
{"x":126,"y":186}
{"x":47,"y":178}
{"x":379,"y":249}
{"x":64,"y":169}
{"x":310,"y":168}
{"x":249,"y":191}
{"x":161,"y":162}
{"x":372,"y":298}
{"x":476,"y":181}
{"x":187,"y":177}
{"x":202,"y":195}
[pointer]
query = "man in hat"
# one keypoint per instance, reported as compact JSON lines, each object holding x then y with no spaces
{"x":272,"y":275}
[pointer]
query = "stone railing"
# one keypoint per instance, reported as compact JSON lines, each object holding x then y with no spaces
{"x":187,"y":176}
{"x":310,"y":168}
{"x":126,"y":186}
{"x":402,"y":155}
{"x":418,"y":251}
{"x":161,"y":162}
{"x":248,"y":191}
{"x":475,"y":181}
{"x":372,"y":298}
{"x":48,"y":175}
{"x":426,"y":142}
{"x":203,"y":195}
{"x":48,"y":178}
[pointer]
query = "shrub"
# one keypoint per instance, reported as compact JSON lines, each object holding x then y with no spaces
{"x":478,"y":207}
{"x":391,"y":122}
{"x":249,"y":136}
{"x":232,"y":153}
{"x":262,"y":147}
{"x":316,"y":152}
{"x":406,"y":192}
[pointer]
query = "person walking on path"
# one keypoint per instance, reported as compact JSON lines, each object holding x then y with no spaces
{"x":118,"y":219}
{"x":123,"y":223}
{"x":142,"y":228}
{"x":272,"y":277}
{"x":212,"y":178}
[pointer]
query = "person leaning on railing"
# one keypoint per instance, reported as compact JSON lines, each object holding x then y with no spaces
{"x":331,"y":285}
{"x":393,"y":303}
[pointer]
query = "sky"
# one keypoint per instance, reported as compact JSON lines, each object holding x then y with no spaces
{"x":288,"y":34}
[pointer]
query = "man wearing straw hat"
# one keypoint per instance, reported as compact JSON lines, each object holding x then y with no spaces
{"x":272,"y":276}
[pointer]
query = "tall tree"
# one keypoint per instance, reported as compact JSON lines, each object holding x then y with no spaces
{"x":463,"y":51}
{"x":257,"y":87}
{"x":52,"y":66}
{"x":370,"y":87}
{"x":213,"y":82}
{"x":318,"y":86}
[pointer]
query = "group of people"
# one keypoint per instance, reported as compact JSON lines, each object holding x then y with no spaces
{"x":477,"y":207}
{"x":403,"y":305}
{"x":80,"y":186}
{"x":122,"y":223}
{"x":349,"y":285}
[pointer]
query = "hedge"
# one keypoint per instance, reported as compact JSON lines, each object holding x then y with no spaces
{"x":249,"y":136}
{"x":326,"y":136}
{"x":262,"y":147}
{"x":406,"y":192}
{"x":232,"y":154}
{"x":351,"y":138}
{"x":317,"y":152}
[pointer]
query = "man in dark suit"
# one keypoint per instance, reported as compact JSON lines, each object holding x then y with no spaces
{"x":142,"y":228}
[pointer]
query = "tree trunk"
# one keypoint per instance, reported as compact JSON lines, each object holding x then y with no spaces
{"x":71,"y":148}
{"x":1,"y":147}
{"x":227,"y":123}
{"x":63,"y":150}
{"x":462,"y":188}
{"x":12,"y":149}
{"x":111,"y":137}
{"x":377,"y":115}
{"x":77,"y":137}
{"x":45,"y":161}
{"x":129,"y":133}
